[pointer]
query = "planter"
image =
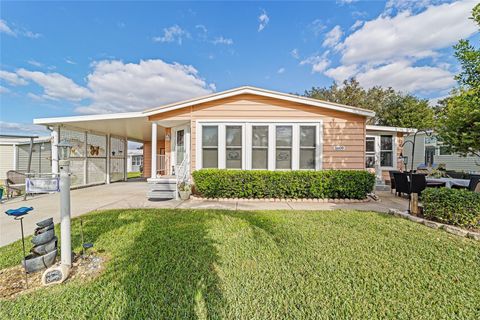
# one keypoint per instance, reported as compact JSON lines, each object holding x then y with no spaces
{"x":184,"y":195}
{"x":45,"y":248}
{"x":34,"y":263}
{"x":43,"y":238}
{"x":44,"y":223}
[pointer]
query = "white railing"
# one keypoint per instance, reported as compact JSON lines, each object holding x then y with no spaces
{"x":161,"y":164}
{"x":183,"y":171}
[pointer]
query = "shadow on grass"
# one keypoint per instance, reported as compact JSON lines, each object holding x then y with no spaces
{"x":166,"y":267}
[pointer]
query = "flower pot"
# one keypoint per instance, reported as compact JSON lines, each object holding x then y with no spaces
{"x":43,"y":238}
{"x":184,"y":195}
{"x":34,"y":263}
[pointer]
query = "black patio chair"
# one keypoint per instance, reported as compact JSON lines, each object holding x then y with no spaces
{"x":419,"y":183}
{"x":455,"y":174}
{"x":392,"y":180}
{"x":402,"y":185}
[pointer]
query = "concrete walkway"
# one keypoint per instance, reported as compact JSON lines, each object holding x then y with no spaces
{"x":132,"y":194}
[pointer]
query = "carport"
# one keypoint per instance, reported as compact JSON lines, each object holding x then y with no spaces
{"x":99,"y":144}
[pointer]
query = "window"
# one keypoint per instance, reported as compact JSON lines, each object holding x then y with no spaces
{"x":259,"y":147}
{"x":283,"y":152}
{"x":370,"y":152}
{"x":308,"y":147}
{"x":210,"y":146}
{"x":386,"y":151}
{"x":180,"y":143}
{"x":233,"y":143}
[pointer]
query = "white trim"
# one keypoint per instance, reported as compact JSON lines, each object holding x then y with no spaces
{"x":109,"y":116}
{"x":390,"y":129}
{"x":153,"y":165}
{"x":247,"y":141}
{"x":264,"y":93}
{"x":186,"y":141}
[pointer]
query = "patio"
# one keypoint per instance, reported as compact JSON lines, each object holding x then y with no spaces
{"x":131,"y":194}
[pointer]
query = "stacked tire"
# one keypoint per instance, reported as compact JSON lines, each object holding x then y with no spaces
{"x":44,"y":251}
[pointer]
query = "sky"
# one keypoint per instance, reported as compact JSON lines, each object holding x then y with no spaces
{"x":77,"y":58}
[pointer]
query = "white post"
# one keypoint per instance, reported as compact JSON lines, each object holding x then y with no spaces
{"x":154,"y":150}
{"x":125,"y":158}
{"x":66,"y":249}
{"x":54,"y":148}
{"x":108,"y":158}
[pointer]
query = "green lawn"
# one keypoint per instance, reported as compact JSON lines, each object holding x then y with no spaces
{"x":188,"y":264}
{"x":131,"y":175}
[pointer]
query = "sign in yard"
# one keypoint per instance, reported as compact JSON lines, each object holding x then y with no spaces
{"x":42,"y":185}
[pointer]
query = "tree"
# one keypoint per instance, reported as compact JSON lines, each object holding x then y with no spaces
{"x":459,"y":117}
{"x":392,"y":108}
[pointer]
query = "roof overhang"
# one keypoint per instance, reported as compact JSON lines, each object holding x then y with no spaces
{"x":390,"y":129}
{"x":262,"y":93}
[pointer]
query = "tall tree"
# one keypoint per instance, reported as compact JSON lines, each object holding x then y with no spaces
{"x":392,"y":108}
{"x":459,"y":117}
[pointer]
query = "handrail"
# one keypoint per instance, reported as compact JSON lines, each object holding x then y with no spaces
{"x":183,"y":171}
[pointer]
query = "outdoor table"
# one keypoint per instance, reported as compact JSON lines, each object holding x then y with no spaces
{"x":449,"y":182}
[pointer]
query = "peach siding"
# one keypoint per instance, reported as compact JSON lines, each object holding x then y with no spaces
{"x":339,"y":128}
{"x":147,"y":156}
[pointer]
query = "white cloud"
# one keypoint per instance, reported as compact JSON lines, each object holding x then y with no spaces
{"x":25,"y":128}
{"x":356,"y":25}
{"x":318,"y":62}
{"x":332,"y":38}
{"x":12,"y":78}
{"x":4,"y":28}
{"x":35,"y":63}
{"x":295,"y":53}
{"x":31,"y":34}
{"x":346,"y":1}
{"x":406,"y":35}
{"x":281,"y":70}
{"x":56,"y":86}
{"x":119,"y":87}
{"x":263,"y":20}
{"x":222,"y":40}
{"x":4,"y":90}
{"x":172,"y":34}
{"x":69,"y":61}
{"x":341,"y":73}
{"x":317,"y":27}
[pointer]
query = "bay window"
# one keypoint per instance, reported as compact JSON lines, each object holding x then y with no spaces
{"x":257,"y":145}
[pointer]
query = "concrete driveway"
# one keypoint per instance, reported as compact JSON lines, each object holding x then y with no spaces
{"x":132,"y":194}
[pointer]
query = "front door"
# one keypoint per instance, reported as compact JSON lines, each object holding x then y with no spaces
{"x":429,"y":155}
{"x":180,"y":147}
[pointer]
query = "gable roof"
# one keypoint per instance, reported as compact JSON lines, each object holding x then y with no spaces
{"x":262,"y":93}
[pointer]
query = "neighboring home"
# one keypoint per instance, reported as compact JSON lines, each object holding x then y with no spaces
{"x":14,"y":154}
{"x":243,"y":128}
{"x":429,"y":151}
{"x":135,"y":160}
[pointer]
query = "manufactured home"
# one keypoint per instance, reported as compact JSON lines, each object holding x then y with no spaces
{"x":244,"y":128}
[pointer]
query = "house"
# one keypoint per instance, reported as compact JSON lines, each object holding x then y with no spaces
{"x":14,"y":155}
{"x":243,"y":128}
{"x":135,"y":160}
{"x":429,"y":151}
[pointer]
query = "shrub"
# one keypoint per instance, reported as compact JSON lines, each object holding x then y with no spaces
{"x":452,"y":206}
{"x":343,"y":184}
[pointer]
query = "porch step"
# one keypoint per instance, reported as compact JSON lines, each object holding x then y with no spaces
{"x":162,"y":188}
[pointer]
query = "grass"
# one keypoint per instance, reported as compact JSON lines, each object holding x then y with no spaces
{"x":131,"y":175}
{"x":202,"y":264}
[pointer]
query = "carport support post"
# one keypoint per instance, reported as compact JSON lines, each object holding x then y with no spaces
{"x":54,"y":135}
{"x":154,"y":151}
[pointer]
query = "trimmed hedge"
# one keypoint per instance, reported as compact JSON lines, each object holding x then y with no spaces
{"x":333,"y":184}
{"x":452,"y":206}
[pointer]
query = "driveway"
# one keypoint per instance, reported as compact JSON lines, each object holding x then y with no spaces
{"x":132,"y":194}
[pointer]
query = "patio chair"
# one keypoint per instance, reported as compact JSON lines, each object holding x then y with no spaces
{"x":401,"y":183}
{"x":15,"y":182}
{"x":392,"y":179}
{"x":419,"y":183}
{"x":455,"y":174}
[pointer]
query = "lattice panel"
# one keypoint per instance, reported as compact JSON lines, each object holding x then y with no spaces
{"x":117,"y":147}
{"x":117,"y":169}
{"x":96,"y":170}
{"x":77,"y":139}
{"x":96,"y":145}
{"x":77,"y":169}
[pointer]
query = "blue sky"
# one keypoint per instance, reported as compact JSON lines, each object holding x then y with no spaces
{"x":60,"y":59}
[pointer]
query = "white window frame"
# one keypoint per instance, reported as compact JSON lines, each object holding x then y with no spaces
{"x":247,"y":141}
{"x":378,"y":147}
